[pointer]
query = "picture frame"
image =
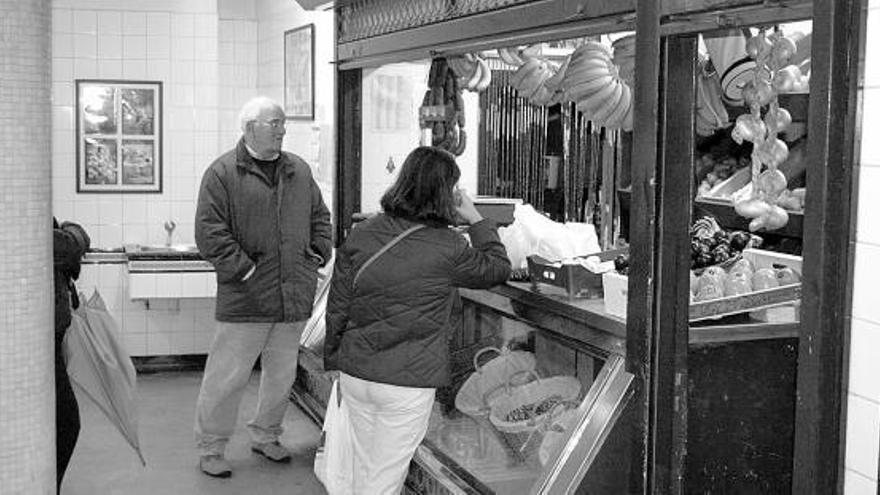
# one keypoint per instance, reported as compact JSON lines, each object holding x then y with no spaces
{"x":299,"y":73}
{"x":118,"y":136}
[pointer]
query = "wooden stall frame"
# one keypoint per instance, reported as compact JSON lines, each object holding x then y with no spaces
{"x":828,"y":244}
{"x":348,"y":150}
{"x":641,"y":341}
{"x":654,"y":342}
{"x":828,"y":237}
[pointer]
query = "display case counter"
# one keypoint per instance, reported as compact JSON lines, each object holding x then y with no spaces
{"x":741,"y":377}
{"x":586,"y":321}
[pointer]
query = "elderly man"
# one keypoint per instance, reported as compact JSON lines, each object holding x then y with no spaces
{"x":262,"y":223}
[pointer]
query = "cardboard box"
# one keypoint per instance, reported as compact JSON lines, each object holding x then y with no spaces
{"x":577,"y":280}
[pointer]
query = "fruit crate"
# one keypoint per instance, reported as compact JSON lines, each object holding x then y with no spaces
{"x":778,"y":303}
{"x":758,"y":300}
{"x":576,"y":280}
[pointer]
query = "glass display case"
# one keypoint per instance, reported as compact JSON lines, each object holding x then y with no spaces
{"x":529,"y":410}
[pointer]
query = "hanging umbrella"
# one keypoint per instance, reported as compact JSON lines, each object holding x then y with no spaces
{"x":100,"y":367}
{"x":315,"y":329}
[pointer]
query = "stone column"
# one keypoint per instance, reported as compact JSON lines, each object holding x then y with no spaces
{"x":27,"y":400}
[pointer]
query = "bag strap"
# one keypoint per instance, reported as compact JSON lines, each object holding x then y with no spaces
{"x":384,"y":248}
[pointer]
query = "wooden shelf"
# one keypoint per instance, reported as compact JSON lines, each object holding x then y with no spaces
{"x":727,"y":217}
{"x":723,"y":211}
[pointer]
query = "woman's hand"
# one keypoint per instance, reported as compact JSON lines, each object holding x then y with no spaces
{"x":466,"y":209}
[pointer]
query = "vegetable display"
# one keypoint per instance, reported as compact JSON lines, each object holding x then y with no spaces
{"x":741,"y":278}
{"x":771,"y":52}
{"x":711,"y":245}
{"x":589,"y":76}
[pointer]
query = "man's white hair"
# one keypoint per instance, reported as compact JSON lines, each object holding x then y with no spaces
{"x":251,"y":110}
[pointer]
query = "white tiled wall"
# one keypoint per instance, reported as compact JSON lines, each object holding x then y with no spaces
{"x":176,"y":44}
{"x":238,"y":74}
{"x":863,"y":410}
{"x":208,"y":55}
{"x":384,"y":90}
{"x":397,"y":139}
{"x":313,"y":140}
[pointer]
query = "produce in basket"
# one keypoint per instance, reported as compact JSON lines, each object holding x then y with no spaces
{"x":521,"y":415}
{"x":529,"y":411}
{"x":490,"y":379}
{"x":527,"y":398}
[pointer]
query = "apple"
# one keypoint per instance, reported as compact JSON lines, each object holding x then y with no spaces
{"x":710,"y":278}
{"x":737,"y":283}
{"x":709,"y":291}
{"x":787,"y":276}
{"x":715,"y":271}
{"x":743,"y":265}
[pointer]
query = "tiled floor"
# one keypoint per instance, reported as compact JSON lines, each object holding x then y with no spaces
{"x":104,"y":464}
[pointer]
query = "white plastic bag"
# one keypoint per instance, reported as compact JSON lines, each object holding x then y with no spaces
{"x":553,"y":240}
{"x":334,"y":460}
{"x":583,"y":238}
{"x":516,"y":243}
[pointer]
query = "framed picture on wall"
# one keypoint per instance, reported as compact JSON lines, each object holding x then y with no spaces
{"x":299,"y":73}
{"x":118,"y":136}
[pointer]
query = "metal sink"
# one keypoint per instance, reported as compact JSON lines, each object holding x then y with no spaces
{"x":163,"y":252}
{"x":161,"y":248}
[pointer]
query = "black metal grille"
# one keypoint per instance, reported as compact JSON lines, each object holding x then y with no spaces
{"x":367,"y":18}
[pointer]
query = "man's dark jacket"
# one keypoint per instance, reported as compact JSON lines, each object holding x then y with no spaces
{"x":393,"y":327}
{"x":243,"y":220}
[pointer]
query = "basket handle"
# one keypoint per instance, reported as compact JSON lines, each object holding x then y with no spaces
{"x":508,"y":385}
{"x":480,"y":353}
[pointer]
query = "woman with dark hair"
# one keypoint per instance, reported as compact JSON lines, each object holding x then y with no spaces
{"x":392,"y":304}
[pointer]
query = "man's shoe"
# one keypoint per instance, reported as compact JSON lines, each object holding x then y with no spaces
{"x":215,"y":465}
{"x":272,"y":451}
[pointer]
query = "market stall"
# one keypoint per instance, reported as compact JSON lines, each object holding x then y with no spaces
{"x":678,"y":366}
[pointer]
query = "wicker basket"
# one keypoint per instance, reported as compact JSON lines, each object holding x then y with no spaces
{"x":490,"y":379}
{"x":538,"y":399}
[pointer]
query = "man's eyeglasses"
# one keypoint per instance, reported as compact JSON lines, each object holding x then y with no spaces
{"x":274,"y":123}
